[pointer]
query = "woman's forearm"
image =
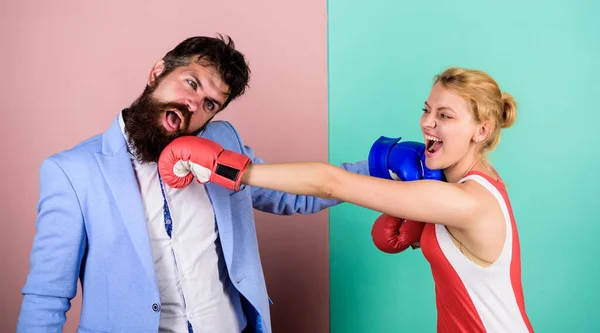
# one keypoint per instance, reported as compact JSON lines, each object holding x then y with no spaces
{"x":303,"y":178}
{"x":423,"y":200}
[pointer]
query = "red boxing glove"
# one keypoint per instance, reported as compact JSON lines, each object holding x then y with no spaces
{"x":189,"y":156}
{"x":393,"y":235}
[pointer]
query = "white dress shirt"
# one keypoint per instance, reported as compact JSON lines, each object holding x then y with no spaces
{"x":190,"y":268}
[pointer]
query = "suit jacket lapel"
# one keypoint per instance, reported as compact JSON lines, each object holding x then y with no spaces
{"x":219,"y":197}
{"x":117,"y":169}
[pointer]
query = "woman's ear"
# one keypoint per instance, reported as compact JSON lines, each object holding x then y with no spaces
{"x":157,"y":69}
{"x":484,"y":131}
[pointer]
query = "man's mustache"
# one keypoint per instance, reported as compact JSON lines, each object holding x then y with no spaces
{"x":181,"y":107}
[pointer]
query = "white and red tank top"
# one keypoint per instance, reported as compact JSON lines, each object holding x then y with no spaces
{"x":471,"y":298}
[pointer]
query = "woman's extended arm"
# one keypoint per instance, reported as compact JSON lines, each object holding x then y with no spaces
{"x":423,"y":200}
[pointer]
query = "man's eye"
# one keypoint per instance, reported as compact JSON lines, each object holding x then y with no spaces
{"x":192,"y":84}
{"x":210,"y":105}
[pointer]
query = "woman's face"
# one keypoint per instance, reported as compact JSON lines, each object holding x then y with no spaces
{"x":448,"y":127}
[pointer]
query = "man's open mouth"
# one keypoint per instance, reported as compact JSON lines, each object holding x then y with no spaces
{"x":173,"y":120}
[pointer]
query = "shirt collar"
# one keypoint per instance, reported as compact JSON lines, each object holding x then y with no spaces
{"x":130,"y":148}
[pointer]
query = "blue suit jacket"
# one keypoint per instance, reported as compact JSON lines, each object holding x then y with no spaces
{"x":91,"y":226}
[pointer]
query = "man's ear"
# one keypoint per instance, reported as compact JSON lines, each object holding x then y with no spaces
{"x":157,"y":69}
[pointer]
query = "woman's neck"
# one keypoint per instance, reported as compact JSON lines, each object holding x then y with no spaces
{"x":475,"y":162}
{"x":462,"y":168}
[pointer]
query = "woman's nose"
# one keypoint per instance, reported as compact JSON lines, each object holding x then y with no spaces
{"x":428,"y":121}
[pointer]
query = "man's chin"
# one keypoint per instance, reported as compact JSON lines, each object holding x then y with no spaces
{"x":149,"y":148}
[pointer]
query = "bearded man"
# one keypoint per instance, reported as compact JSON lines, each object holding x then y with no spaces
{"x":152,"y":258}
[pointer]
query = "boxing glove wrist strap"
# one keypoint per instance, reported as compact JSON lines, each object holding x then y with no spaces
{"x":230,"y":169}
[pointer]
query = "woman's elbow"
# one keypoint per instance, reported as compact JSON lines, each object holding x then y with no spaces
{"x":325,"y":191}
{"x":328,"y":184}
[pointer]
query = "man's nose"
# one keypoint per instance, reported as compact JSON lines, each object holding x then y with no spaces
{"x":192,"y":103}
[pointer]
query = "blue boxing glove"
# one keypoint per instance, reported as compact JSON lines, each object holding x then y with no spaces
{"x":391,"y":159}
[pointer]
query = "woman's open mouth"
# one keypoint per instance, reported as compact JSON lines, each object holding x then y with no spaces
{"x":432,"y":145}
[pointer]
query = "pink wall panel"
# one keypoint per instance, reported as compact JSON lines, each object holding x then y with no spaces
{"x":70,"y":66}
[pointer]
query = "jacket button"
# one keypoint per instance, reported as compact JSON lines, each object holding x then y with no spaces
{"x":155,"y":307}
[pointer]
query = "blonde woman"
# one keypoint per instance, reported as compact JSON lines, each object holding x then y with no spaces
{"x":470,"y":238}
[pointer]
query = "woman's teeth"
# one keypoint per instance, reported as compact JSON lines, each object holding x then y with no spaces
{"x":433,"y":143}
{"x":431,"y":138}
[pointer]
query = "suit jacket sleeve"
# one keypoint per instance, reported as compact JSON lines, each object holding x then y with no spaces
{"x":56,"y":256}
{"x":282,"y":203}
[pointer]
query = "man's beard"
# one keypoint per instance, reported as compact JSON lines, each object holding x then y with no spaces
{"x":144,"y":126}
